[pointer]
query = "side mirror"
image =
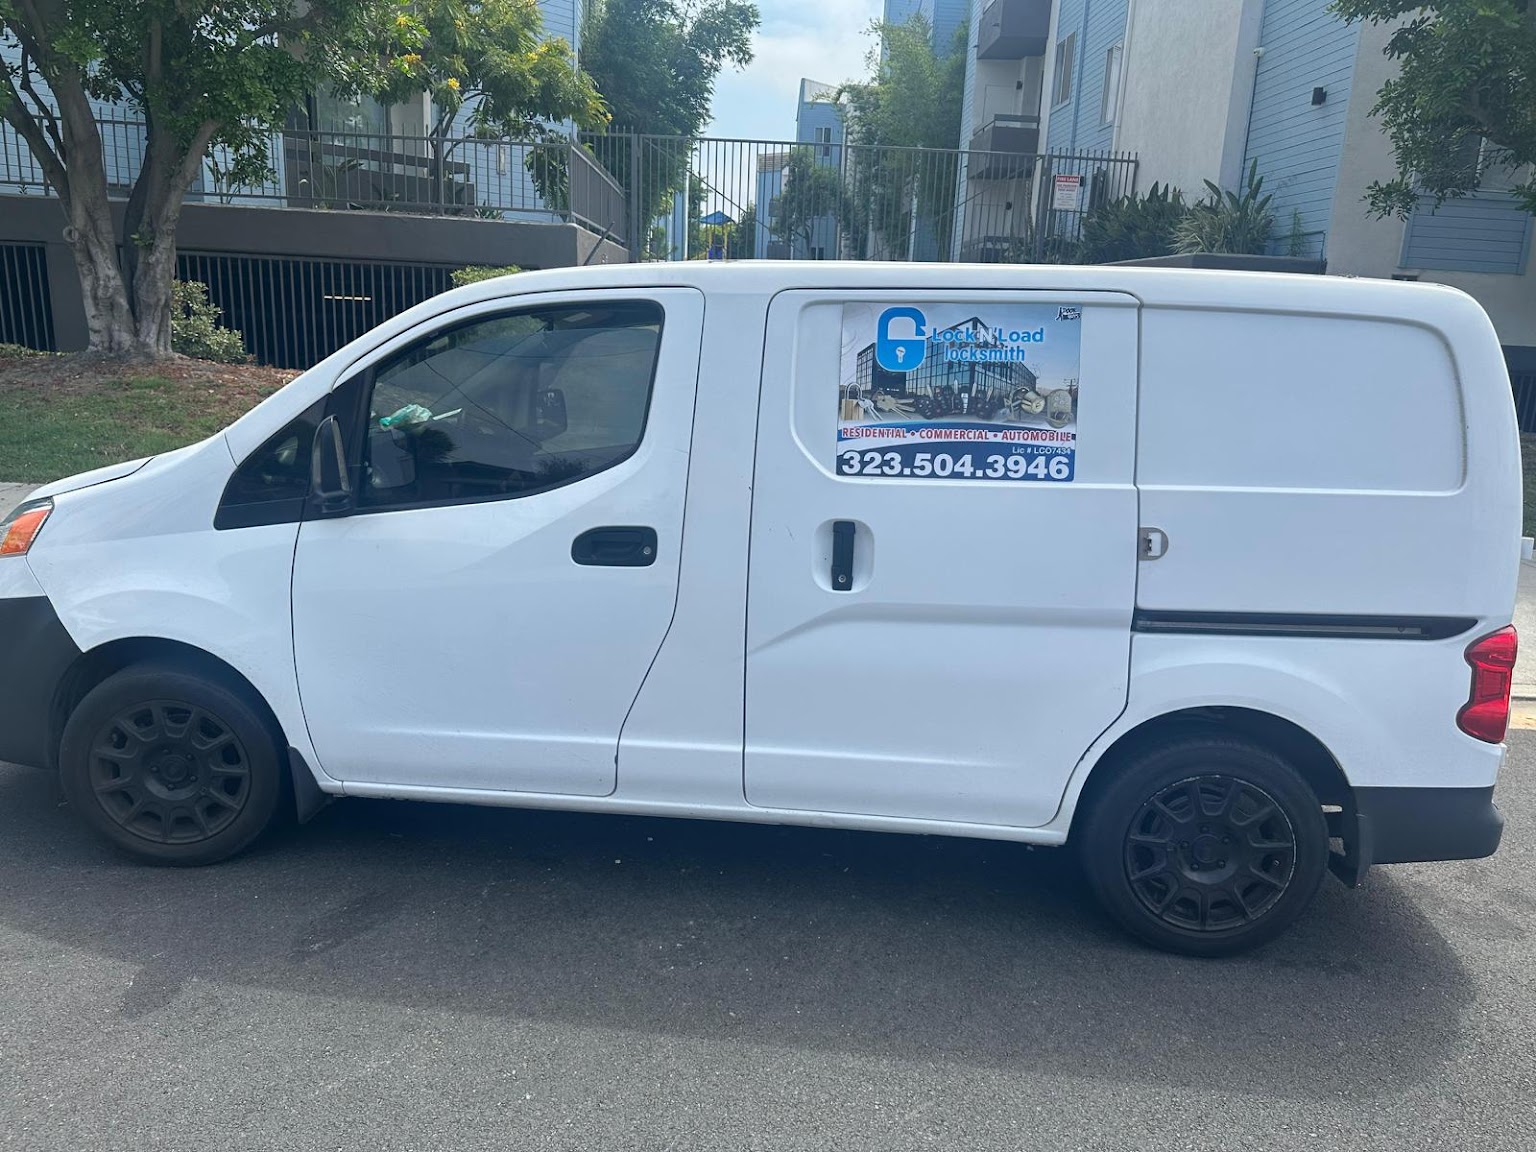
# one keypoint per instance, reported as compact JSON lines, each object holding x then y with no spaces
{"x":329,"y":484}
{"x":549,"y":417}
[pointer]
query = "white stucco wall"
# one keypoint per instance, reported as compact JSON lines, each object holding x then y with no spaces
{"x":1186,"y":88}
{"x":1359,"y":245}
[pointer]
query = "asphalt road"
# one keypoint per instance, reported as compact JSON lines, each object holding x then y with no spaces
{"x":405,"y":976}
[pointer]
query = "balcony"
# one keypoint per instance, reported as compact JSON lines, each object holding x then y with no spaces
{"x":1004,"y":148}
{"x":1013,"y":29}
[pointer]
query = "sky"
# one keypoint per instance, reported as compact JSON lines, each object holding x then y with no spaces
{"x":818,"y":39}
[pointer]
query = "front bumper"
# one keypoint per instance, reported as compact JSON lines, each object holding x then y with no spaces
{"x":35,"y":655}
{"x":1403,"y":825}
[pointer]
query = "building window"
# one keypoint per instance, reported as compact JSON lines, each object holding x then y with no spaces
{"x":1111,"y":102}
{"x":823,"y":138}
{"x":1066,"y":55}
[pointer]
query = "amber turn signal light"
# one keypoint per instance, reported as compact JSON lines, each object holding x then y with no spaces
{"x":21,"y":527}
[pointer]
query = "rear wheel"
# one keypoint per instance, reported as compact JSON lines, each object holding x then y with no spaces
{"x":171,"y":767}
{"x":1206,"y":846}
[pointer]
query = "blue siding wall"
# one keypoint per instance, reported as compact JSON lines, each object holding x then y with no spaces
{"x":1295,"y":142}
{"x":1099,"y":24}
{"x":946,"y":17}
{"x":1481,"y":233}
{"x":967,"y":119}
{"x":815,"y":114}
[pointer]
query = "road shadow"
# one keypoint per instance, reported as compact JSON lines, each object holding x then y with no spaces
{"x":910,"y":948}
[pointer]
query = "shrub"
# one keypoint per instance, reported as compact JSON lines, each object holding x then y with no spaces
{"x":478,"y":272}
{"x":195,"y":327}
{"x":1229,"y":222}
{"x":1133,"y":227}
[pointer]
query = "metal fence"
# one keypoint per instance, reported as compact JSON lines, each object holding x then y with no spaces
{"x":492,"y":178}
{"x":775,"y":199}
{"x":26,"y":317}
{"x":293,"y":312}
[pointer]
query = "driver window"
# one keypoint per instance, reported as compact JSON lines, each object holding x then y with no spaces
{"x":510,"y":405}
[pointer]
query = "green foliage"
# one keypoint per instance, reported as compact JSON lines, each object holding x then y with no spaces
{"x":478,"y":272}
{"x":1229,"y":221}
{"x":655,"y":62}
{"x":912,"y":100}
{"x":195,"y":328}
{"x":1296,"y":239}
{"x":20,"y":352}
{"x":812,"y":192}
{"x":490,"y":56}
{"x":1133,"y":227}
{"x":741,"y":237}
{"x":219,"y":72}
{"x":1467,"y":74}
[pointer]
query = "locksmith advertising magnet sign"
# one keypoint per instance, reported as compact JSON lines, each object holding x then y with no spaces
{"x":959,"y":391}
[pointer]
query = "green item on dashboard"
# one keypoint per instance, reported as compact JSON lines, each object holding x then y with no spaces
{"x":406,"y":417}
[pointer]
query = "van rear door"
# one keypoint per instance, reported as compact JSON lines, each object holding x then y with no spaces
{"x":943,"y":551}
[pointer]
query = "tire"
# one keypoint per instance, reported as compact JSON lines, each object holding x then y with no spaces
{"x":171,"y":767}
{"x":1206,"y":846}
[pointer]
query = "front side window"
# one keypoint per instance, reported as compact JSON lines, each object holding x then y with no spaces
{"x":511,"y":404}
{"x":271,"y":485}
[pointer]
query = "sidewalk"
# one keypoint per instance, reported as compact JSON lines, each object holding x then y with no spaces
{"x":12,"y":495}
{"x":1525,"y":624}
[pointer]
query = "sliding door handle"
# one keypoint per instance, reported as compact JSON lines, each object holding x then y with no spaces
{"x":842,"y":555}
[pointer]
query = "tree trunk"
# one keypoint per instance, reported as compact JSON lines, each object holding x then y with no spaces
{"x":149,"y":232}
{"x":92,"y":239}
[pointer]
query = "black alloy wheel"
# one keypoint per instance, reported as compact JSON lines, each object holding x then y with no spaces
{"x":1210,"y":853}
{"x":170,"y":772}
{"x":173,"y":766}
{"x":1206,"y":844}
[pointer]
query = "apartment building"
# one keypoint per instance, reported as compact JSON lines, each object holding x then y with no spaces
{"x":1200,"y":89}
{"x":820,"y":127}
{"x":944,"y":18}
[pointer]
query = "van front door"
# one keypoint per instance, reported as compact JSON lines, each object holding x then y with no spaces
{"x":943,"y":551}
{"x":484,"y":615}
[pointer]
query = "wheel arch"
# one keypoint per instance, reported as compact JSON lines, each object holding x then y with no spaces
{"x":94,"y":666}
{"x":1300,"y":748}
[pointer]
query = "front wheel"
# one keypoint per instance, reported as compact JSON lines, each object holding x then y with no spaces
{"x":171,"y":767}
{"x":1207,"y":846}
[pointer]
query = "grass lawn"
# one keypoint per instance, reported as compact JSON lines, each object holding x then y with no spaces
{"x":65,"y":414}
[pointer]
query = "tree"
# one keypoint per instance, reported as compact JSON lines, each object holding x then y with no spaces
{"x":811,"y":196}
{"x":911,"y":101}
{"x":655,"y":62}
{"x":740,"y":236}
{"x":1467,"y":77}
{"x":223,"y":73}
{"x":491,"y":57}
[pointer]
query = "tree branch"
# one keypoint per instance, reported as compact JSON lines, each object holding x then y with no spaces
{"x":15,"y":113}
{"x":48,"y":121}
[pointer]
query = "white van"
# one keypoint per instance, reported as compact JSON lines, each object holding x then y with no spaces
{"x":1208,"y":573}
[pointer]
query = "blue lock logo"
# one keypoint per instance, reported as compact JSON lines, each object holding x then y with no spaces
{"x":900,"y":353}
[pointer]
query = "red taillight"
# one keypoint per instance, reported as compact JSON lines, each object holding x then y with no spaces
{"x":1485,"y":715}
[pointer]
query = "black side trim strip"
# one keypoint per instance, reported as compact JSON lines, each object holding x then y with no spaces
{"x":1301,"y":624}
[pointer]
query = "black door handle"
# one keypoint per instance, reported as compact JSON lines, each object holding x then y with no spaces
{"x":842,"y":555}
{"x":615,"y":547}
